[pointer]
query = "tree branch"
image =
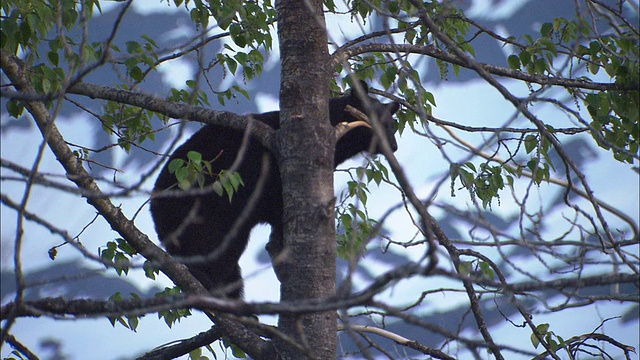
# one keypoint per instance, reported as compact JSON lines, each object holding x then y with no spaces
{"x":260,"y":131}
{"x":21,"y":347}
{"x":184,"y":346}
{"x":400,"y":340}
{"x":343,"y":54}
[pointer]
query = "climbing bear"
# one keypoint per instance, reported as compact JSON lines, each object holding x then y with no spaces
{"x":196,"y":223}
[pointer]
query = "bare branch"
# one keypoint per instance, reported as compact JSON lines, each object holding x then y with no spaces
{"x":400,"y":340}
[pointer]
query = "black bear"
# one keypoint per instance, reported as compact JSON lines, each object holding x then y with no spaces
{"x":196,"y":223}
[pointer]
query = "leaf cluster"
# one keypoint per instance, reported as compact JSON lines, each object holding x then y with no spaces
{"x":249,"y":25}
{"x":130,"y":124}
{"x":615,"y":114}
{"x":120,"y":252}
{"x":26,"y":23}
{"x":129,"y":321}
{"x":195,"y":170}
{"x":356,"y":227}
{"x":484,"y":182}
{"x":554,"y":341}
{"x":171,"y":316}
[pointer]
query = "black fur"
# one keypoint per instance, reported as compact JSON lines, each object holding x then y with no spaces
{"x":214,"y":215}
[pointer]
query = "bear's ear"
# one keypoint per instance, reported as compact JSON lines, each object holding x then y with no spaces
{"x":356,"y":90}
{"x":393,"y":107}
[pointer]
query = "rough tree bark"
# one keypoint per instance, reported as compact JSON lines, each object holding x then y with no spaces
{"x":306,"y":143}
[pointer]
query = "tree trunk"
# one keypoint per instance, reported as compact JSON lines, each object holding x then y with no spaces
{"x":306,"y":144}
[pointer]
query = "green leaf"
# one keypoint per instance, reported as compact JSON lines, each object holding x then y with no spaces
{"x":487,"y":270}
{"x":126,"y":247}
{"x":466,"y":178}
{"x":195,"y":354}
{"x":150,"y":271}
{"x":543,"y":328}
{"x":389,"y":77}
{"x":241,"y":91}
{"x":534,"y":340}
{"x":456,"y":69}
{"x":232,"y":65}
{"x":15,"y":108}
{"x":237,"y":352}
{"x":525,"y":58}
{"x":236,"y":180}
{"x":530,"y":143}
{"x":182,"y":174}
{"x":136,"y":73}
{"x":228,"y":189}
{"x":175,"y":164}
{"x":540,"y":66}
{"x":217,"y":188}
{"x":46,"y":85}
{"x":514,"y":62}
{"x":53,"y":57}
{"x":122,"y":263}
{"x":133,"y":322}
{"x":549,"y":45}
{"x":546,"y":29}
{"x":428,"y":96}
{"x":107,"y":254}
{"x":150,"y":40}
{"x":194,"y":156}
{"x":470,"y":165}
{"x":133,"y":47}
{"x":465,"y":267}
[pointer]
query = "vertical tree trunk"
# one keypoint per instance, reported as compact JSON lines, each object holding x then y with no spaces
{"x":307,"y":145}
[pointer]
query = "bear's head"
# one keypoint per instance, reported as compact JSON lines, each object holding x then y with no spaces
{"x":362,"y":137}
